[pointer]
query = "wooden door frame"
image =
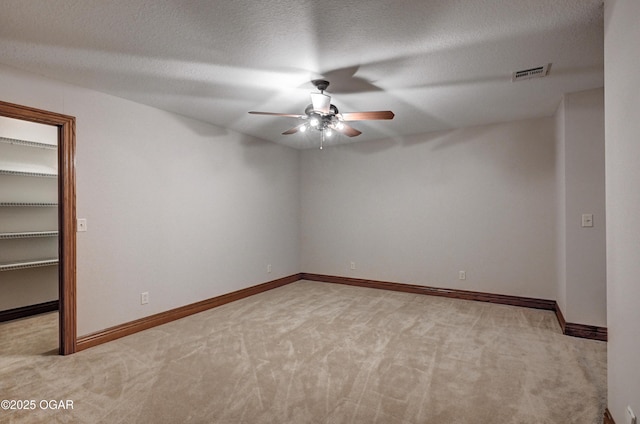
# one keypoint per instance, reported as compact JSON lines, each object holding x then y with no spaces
{"x":66,"y":214}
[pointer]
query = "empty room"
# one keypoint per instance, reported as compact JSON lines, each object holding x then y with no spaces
{"x":319,"y":212}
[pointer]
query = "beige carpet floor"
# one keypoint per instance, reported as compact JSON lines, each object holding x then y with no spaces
{"x":313,"y":352}
{"x":24,"y":338}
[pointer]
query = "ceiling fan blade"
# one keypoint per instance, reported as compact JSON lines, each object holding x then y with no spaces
{"x":321,"y":102}
{"x":293,"y":130}
{"x":348,"y":130}
{"x":367,"y":116}
{"x":287,"y":115}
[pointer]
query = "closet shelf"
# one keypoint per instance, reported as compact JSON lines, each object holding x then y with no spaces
{"x":28,"y":264}
{"x":28,"y":173}
{"x":28,"y":204}
{"x":28,"y":143}
{"x":28,"y":234}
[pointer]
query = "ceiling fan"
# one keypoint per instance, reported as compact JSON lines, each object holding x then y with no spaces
{"x":322,"y":116}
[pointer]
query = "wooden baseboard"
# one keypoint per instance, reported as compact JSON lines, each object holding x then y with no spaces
{"x":560,"y":317}
{"x":122,"y":330}
{"x":568,"y":328}
{"x":141,"y":324}
{"x":502,"y":299}
{"x":27,"y":311}
{"x":580,"y":330}
{"x":608,"y":418}
{"x":586,"y":331}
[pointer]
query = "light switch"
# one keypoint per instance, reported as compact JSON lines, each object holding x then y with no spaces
{"x":82,"y":224}
{"x":587,"y":220}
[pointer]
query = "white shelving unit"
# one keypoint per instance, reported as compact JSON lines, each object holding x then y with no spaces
{"x":28,"y":221}
{"x":28,"y":234}
{"x":12,"y":266}
{"x":28,"y":143}
{"x":27,"y":173}
{"x":28,"y":204}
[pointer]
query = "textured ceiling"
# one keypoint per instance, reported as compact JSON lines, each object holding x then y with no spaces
{"x":437,"y":64}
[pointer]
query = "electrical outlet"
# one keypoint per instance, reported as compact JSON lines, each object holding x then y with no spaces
{"x":462,"y":275}
{"x":631,"y":417}
{"x":587,"y":220}
{"x":268,"y":268}
{"x":144,"y":298}
{"x":353,"y":265}
{"x":81,"y":224}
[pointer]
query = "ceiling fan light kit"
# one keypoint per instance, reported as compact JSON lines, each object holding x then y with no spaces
{"x":325,"y":117}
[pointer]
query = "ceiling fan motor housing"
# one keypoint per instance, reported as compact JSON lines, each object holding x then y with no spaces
{"x":333,"y":110}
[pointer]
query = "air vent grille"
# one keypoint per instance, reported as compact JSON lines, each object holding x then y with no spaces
{"x":525,"y":74}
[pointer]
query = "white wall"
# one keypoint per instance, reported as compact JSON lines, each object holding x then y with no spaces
{"x":176,"y":207}
{"x":622,"y":135}
{"x":479,"y":199}
{"x":581,"y":189}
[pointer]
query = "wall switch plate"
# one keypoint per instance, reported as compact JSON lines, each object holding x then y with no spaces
{"x":631,"y":417}
{"x":587,"y":220}
{"x":353,"y":265}
{"x":81,"y":224}
{"x":462,"y":275}
{"x":144,"y":298}
{"x":269,"y":268}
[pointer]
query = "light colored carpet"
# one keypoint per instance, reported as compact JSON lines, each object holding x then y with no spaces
{"x":35,"y":335}
{"x":314,"y":352}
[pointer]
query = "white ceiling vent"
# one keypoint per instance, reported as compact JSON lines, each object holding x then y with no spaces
{"x":539,"y":72}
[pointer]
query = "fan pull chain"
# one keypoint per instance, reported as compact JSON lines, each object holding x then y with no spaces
{"x":321,"y":138}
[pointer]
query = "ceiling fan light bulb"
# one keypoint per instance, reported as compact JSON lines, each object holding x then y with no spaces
{"x":314,"y":122}
{"x":339,"y":125}
{"x":328,"y":132}
{"x":303,"y":128}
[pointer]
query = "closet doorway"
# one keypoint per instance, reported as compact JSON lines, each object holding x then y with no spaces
{"x":66,"y":208}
